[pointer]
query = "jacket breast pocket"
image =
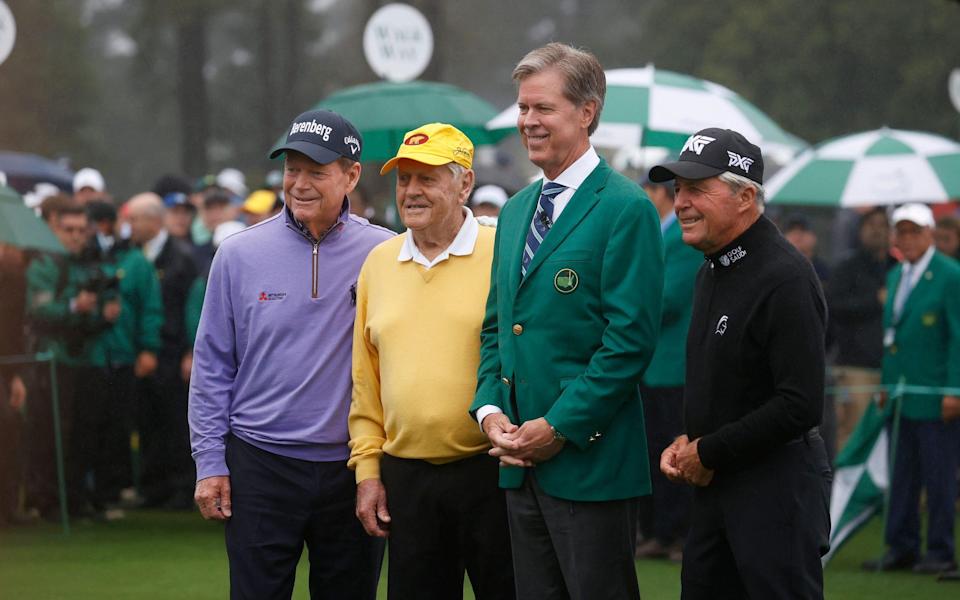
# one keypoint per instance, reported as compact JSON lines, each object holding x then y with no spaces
{"x":570,"y":256}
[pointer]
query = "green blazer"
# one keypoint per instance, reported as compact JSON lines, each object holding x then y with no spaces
{"x":571,"y":340}
{"x":681,"y":263}
{"x":926,"y":344}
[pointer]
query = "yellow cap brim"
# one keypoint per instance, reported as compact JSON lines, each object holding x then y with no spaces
{"x":421,"y":157}
{"x":259,"y":204}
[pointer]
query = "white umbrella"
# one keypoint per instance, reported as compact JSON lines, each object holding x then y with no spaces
{"x":658,"y":108}
{"x":880,"y":167}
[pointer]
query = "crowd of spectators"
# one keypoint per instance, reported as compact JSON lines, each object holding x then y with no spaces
{"x":118,"y":311}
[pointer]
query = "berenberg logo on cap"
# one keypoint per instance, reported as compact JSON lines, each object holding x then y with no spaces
{"x":696,"y":143}
{"x":320,"y":129}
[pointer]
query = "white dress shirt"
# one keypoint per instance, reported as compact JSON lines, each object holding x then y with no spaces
{"x":154,"y":247}
{"x":909,"y":276}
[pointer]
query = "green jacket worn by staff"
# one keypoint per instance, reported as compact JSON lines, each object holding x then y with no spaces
{"x":52,"y":282}
{"x":926,"y":342}
{"x":681,"y":263}
{"x":137,"y":329}
{"x":572,"y":340}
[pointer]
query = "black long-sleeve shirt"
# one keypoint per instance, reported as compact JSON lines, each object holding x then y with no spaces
{"x":855,"y":309}
{"x":755,"y":349}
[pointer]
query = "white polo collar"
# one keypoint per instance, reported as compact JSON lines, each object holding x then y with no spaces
{"x":462,"y":245}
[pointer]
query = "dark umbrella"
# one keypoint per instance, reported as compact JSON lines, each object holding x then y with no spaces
{"x":26,"y":170}
{"x":21,"y":227}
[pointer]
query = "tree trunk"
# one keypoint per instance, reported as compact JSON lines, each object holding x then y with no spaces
{"x":288,"y":97}
{"x":192,"y":92}
{"x":266,"y":108}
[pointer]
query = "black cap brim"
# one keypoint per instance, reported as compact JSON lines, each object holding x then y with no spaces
{"x":682,"y":168}
{"x":317,"y":154}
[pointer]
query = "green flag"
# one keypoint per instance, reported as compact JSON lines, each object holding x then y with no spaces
{"x":861,"y":478}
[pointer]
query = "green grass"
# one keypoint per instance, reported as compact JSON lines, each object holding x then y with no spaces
{"x":177,"y":555}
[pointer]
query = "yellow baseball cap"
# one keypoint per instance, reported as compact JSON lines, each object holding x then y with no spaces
{"x":260,"y":202}
{"x":434,"y":144}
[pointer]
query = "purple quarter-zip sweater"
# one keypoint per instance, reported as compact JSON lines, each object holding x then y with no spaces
{"x":271,"y":363}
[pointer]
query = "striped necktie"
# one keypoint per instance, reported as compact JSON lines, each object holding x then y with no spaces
{"x":541,"y":224}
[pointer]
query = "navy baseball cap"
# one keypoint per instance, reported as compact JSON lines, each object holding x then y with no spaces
{"x":323,"y":136}
{"x":712,"y":151}
{"x":178,"y":199}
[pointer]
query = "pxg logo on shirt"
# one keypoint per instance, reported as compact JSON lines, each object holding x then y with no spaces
{"x":722,"y":325}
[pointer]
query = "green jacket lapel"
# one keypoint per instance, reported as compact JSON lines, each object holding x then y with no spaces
{"x":527,"y":200}
{"x":580,"y":204}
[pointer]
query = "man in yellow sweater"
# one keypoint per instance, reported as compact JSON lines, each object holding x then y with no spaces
{"x":423,"y":473}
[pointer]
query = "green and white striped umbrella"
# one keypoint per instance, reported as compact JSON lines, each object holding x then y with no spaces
{"x":657,"y":108}
{"x":880,"y":167}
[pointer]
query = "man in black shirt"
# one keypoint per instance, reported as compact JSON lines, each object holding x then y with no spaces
{"x":754,"y":386}
{"x":855,"y":296}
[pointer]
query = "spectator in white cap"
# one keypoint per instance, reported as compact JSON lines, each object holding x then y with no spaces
{"x":921,"y":342}
{"x":233,"y":181}
{"x":40,"y":192}
{"x":88,"y":184}
{"x":488,"y":200}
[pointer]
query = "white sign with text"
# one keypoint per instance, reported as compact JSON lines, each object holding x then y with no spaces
{"x":8,"y":31}
{"x":953,"y":86}
{"x":398,"y":42}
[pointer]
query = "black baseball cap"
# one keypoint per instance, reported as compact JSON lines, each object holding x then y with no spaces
{"x":712,"y":151}
{"x":323,"y":136}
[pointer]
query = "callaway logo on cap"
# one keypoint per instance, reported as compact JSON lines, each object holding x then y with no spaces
{"x":323,"y":136}
{"x":710,"y":152}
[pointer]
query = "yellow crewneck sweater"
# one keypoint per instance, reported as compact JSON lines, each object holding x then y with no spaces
{"x":416,"y":348}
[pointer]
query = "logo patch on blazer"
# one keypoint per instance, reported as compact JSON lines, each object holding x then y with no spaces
{"x":929,"y":319}
{"x":566,"y":281}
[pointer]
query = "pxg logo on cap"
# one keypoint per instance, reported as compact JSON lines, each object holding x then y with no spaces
{"x":710,"y":152}
{"x":323,"y":136}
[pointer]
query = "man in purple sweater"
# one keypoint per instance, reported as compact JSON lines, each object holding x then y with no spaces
{"x":270,"y":389}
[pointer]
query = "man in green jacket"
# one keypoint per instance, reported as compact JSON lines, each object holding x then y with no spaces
{"x":65,"y":316}
{"x":921,"y":322}
{"x":571,"y":323}
{"x":665,"y":513}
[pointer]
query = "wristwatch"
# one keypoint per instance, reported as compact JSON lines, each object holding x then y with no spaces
{"x":557,"y":436}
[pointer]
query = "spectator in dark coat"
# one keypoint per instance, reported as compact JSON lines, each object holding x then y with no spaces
{"x":167,"y":471}
{"x":855,"y":296}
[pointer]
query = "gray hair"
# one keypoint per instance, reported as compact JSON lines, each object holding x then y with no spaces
{"x":584,"y":79}
{"x":738,"y":182}
{"x":458,"y":171}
